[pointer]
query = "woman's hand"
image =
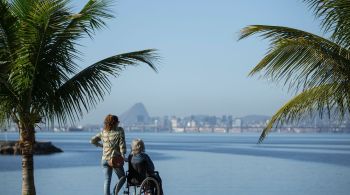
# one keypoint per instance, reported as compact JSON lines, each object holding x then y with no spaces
{"x":99,"y":145}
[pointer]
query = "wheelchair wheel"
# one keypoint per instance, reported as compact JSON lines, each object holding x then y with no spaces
{"x":119,"y":185}
{"x":145,"y":187}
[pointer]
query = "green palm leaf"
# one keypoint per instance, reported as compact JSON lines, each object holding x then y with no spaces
{"x":89,"y":86}
{"x":7,"y":35}
{"x":301,"y":58}
{"x":335,"y":17}
{"x":332,"y":97}
{"x":39,"y":72}
{"x":317,"y":67}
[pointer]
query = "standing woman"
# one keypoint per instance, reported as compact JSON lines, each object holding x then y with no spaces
{"x":112,"y":139}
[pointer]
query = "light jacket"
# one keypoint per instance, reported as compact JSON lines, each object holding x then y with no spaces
{"x":113,"y":142}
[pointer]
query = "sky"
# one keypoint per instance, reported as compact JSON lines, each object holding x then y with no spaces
{"x":203,"y":68}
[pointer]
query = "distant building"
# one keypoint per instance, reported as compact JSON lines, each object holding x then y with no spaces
{"x":174,"y":122}
{"x":237,"y":123}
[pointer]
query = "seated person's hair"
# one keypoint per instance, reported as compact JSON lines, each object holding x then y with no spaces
{"x":137,"y":146}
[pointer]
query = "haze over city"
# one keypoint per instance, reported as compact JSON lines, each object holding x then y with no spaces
{"x":202,"y":68}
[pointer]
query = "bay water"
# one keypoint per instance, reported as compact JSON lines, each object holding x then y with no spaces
{"x":198,"y":163}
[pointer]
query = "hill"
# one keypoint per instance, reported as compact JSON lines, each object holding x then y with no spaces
{"x":137,"y":114}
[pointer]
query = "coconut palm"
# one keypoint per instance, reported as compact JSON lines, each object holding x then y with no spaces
{"x":317,"y":68}
{"x":40,"y":79}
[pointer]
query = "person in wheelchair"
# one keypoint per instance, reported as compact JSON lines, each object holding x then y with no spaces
{"x":141,"y":166}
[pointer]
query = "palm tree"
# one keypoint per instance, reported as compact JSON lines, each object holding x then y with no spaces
{"x":317,"y":68}
{"x":39,"y":75}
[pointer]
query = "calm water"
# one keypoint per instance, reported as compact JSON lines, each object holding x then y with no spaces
{"x":190,"y":164}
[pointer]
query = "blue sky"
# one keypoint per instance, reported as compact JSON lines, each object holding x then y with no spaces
{"x":203,"y":68}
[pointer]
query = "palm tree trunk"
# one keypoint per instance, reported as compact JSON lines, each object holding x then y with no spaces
{"x":27,"y":141}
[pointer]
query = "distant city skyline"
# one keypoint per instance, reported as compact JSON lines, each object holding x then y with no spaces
{"x":203,"y":68}
{"x":137,"y":119}
{"x":120,"y":115}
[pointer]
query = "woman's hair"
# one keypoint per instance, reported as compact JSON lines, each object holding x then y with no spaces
{"x":137,"y":146}
{"x":110,"y":122}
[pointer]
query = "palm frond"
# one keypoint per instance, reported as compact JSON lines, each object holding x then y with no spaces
{"x":60,"y":52}
{"x":332,"y":97}
{"x":88,"y":20}
{"x":6,"y":89}
{"x":48,"y":33}
{"x":38,"y":23}
{"x":91,"y":16}
{"x":38,"y":58}
{"x":4,"y":116}
{"x":335,"y":16}
{"x":8,"y":105}
{"x":7,"y":35}
{"x":303,"y":59}
{"x":88,"y":87}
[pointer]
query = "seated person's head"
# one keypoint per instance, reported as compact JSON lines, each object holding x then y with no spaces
{"x":137,"y":146}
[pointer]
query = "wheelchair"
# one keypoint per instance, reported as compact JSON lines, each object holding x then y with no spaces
{"x":151,"y":185}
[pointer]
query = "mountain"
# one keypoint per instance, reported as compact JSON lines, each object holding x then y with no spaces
{"x":135,"y":115}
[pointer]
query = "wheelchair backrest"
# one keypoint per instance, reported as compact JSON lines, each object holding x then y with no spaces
{"x":137,"y":172}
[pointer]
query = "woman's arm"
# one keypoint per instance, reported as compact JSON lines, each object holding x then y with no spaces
{"x":96,"y":140}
